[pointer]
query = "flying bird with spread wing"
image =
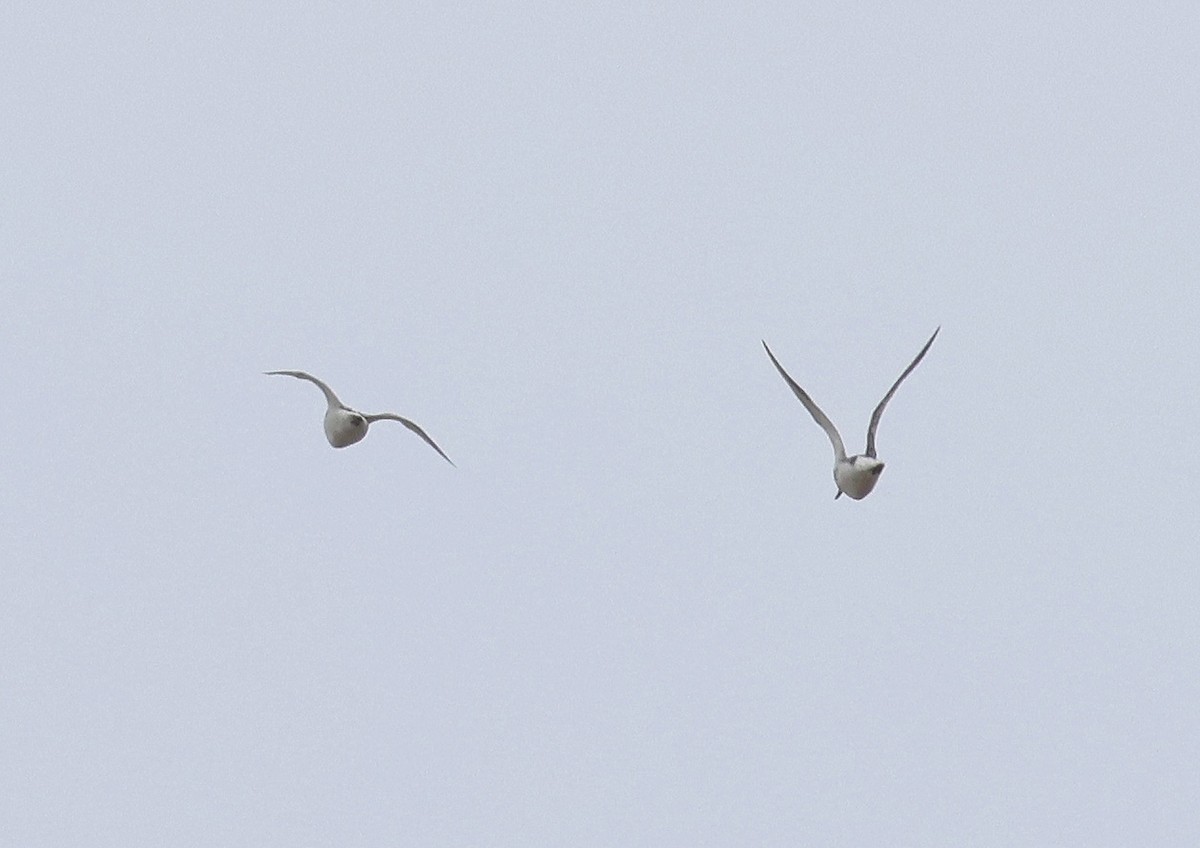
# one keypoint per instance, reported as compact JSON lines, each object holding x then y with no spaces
{"x":855,"y":475}
{"x":345,"y":426}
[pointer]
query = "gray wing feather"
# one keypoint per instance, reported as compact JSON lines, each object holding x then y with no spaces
{"x":878,"y":413}
{"x":330,"y":397}
{"x":820,"y":417}
{"x":390,"y":416}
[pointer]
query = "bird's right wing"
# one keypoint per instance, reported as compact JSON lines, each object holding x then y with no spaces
{"x":330,"y":397}
{"x":820,"y":417}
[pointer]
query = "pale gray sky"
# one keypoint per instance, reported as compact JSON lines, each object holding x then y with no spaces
{"x":554,"y":235}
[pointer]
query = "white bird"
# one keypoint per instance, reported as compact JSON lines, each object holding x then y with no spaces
{"x":345,"y":426}
{"x":857,"y":475}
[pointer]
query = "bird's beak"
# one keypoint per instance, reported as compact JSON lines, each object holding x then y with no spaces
{"x":838,"y":495}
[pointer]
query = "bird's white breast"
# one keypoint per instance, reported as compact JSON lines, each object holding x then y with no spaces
{"x":857,"y":476}
{"x":343,"y":427}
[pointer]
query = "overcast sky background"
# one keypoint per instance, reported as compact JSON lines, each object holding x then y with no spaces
{"x":554,"y":235}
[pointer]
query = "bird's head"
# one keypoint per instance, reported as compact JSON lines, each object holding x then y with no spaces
{"x":857,"y":475}
{"x":344,"y":427}
{"x":866,"y":465}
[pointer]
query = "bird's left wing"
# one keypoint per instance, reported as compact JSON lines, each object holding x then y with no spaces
{"x":390,"y":416}
{"x":878,"y":413}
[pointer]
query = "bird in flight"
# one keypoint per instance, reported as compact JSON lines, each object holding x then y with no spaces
{"x":856,"y":475}
{"x":345,"y":426}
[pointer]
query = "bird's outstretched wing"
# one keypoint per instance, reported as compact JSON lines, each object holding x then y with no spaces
{"x":820,"y":417}
{"x":330,"y":397}
{"x":389,"y":416}
{"x":878,"y":413}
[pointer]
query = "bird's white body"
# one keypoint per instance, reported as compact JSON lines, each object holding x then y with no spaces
{"x":857,"y":475}
{"x":345,"y":426}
